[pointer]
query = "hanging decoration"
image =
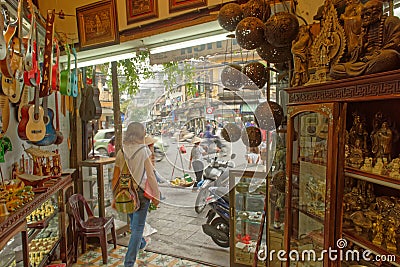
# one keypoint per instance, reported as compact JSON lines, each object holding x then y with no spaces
{"x":257,"y":8}
{"x":229,"y":16}
{"x":257,"y":73}
{"x":250,"y":33}
{"x":274,"y":54}
{"x":231,"y":77}
{"x":281,"y":29}
{"x":231,"y":132}
{"x":263,"y":114}
{"x":251,"y":136}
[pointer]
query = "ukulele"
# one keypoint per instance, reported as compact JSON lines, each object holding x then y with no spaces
{"x":48,"y":54}
{"x":55,"y":79}
{"x":59,"y":134}
{"x":74,"y":75}
{"x":65,"y":86}
{"x":29,"y":40}
{"x":3,"y":44}
{"x":50,"y":133}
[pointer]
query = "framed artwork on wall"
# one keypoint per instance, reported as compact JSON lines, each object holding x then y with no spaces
{"x":139,"y":10}
{"x":97,"y":24}
{"x":179,"y":5}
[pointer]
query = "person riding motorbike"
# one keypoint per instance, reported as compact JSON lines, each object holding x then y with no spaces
{"x":210,"y":137}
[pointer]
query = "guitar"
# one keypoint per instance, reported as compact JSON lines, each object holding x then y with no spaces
{"x":48,"y":54}
{"x":55,"y":73}
{"x":87,"y":108}
{"x":5,"y":114}
{"x":50,"y":133}
{"x":29,"y":40}
{"x":65,"y":86}
{"x":74,"y":75}
{"x":97,"y":104}
{"x":59,"y":134}
{"x":23,"y":101}
{"x":5,"y":64}
{"x":3,"y":44}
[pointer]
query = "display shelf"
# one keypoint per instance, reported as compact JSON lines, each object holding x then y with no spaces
{"x":309,"y":214}
{"x":43,"y":223}
{"x":371,"y":177}
{"x":46,"y":258}
{"x":370,"y":246}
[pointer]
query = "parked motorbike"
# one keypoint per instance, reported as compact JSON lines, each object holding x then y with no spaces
{"x":218,"y":227}
{"x":215,"y":174}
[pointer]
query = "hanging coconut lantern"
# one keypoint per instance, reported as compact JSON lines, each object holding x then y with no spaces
{"x":231,"y":132}
{"x":251,"y":136}
{"x":274,"y":54}
{"x":281,"y":29}
{"x":229,"y":16}
{"x":231,"y":77}
{"x":250,"y":33}
{"x":269,"y":115}
{"x":257,"y":73}
{"x":257,"y":8}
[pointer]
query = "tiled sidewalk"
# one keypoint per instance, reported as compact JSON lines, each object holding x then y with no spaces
{"x":92,"y":257}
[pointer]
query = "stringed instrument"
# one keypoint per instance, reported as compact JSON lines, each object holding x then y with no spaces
{"x":5,"y":64}
{"x":5,"y":114}
{"x":12,"y":86}
{"x":29,"y":41}
{"x":65,"y":79}
{"x":48,"y":54}
{"x":59,"y":134}
{"x":74,"y":75}
{"x":3,"y":44}
{"x":50,"y":133}
{"x":23,"y":102}
{"x":55,"y":79}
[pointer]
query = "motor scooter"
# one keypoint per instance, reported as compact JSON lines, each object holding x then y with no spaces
{"x":215,"y":174}
{"x":218,"y":227}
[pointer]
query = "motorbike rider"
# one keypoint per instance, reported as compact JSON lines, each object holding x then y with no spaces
{"x":196,"y":160}
{"x":212,"y":138}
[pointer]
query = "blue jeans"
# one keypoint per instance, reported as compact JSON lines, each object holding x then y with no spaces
{"x":138,"y":220}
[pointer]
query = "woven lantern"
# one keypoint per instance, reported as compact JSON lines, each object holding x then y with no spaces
{"x":279,"y":181}
{"x":274,"y":54}
{"x":257,"y":8}
{"x":251,"y":136}
{"x":231,"y":132}
{"x":250,"y":33}
{"x":229,"y":16}
{"x":269,"y":115}
{"x":257,"y":73}
{"x":281,"y":29}
{"x":231,"y":77}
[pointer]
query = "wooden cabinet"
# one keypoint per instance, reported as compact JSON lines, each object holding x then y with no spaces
{"x":336,"y":198}
{"x":18,"y":233}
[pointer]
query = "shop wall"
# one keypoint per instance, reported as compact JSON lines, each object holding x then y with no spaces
{"x":19,"y":145}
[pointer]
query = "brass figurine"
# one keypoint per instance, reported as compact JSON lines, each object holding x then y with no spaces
{"x":382,"y":141}
{"x":352,"y":24}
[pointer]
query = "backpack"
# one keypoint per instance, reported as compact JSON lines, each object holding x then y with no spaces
{"x":125,"y":191}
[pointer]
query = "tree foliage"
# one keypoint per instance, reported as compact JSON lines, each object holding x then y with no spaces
{"x":177,"y":73}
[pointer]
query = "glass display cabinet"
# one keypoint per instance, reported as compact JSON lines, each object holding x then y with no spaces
{"x":249,"y":184}
{"x":311,"y":171}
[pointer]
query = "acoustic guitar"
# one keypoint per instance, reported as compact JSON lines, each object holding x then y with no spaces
{"x":5,"y":64}
{"x":23,"y":102}
{"x":74,"y":75}
{"x":48,"y":54}
{"x":3,"y":44}
{"x":65,"y":79}
{"x":50,"y":133}
{"x":29,"y":40}
{"x":55,"y":73}
{"x":5,"y":114}
{"x":59,"y":134}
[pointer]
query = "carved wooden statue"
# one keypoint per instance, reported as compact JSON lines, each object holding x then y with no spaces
{"x":301,"y":56}
{"x":379,"y":46}
{"x":352,"y":24}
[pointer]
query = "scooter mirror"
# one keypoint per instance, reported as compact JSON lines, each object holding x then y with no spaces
{"x":233,"y":156}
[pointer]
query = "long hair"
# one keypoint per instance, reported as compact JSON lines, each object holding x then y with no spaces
{"x":135,"y":133}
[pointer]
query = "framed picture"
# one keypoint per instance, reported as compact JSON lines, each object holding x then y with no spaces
{"x":97,"y":24}
{"x":139,"y":10}
{"x":178,"y":5}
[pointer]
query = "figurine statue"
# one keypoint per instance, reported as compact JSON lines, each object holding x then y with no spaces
{"x":367,"y":167}
{"x":391,"y":236}
{"x":378,"y":167}
{"x":352,"y":24}
{"x":301,"y":56}
{"x":377,"y":229}
{"x":355,"y":158}
{"x":379,"y":47}
{"x":370,"y":195}
{"x":395,"y":172}
{"x":353,"y":201}
{"x":382,"y":141}
{"x":358,"y":132}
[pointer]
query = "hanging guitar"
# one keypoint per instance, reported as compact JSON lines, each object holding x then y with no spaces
{"x":23,"y":102}
{"x":5,"y":64}
{"x":12,"y":86}
{"x":32,"y":77}
{"x":59,"y":134}
{"x":3,"y":44}
{"x":74,"y":75}
{"x":55,"y":73}
{"x":48,"y":54}
{"x":50,"y":133}
{"x":4,"y":115}
{"x":65,"y":79}
{"x":28,"y":41}
{"x":35,"y":126}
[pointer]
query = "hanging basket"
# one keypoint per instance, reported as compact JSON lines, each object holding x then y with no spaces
{"x":269,"y":115}
{"x":229,"y":16}
{"x":281,"y":29}
{"x":251,"y":136}
{"x":257,"y":8}
{"x":274,"y":54}
{"x":257,"y":73}
{"x":250,"y":33}
{"x":231,"y":77}
{"x":231,"y":132}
